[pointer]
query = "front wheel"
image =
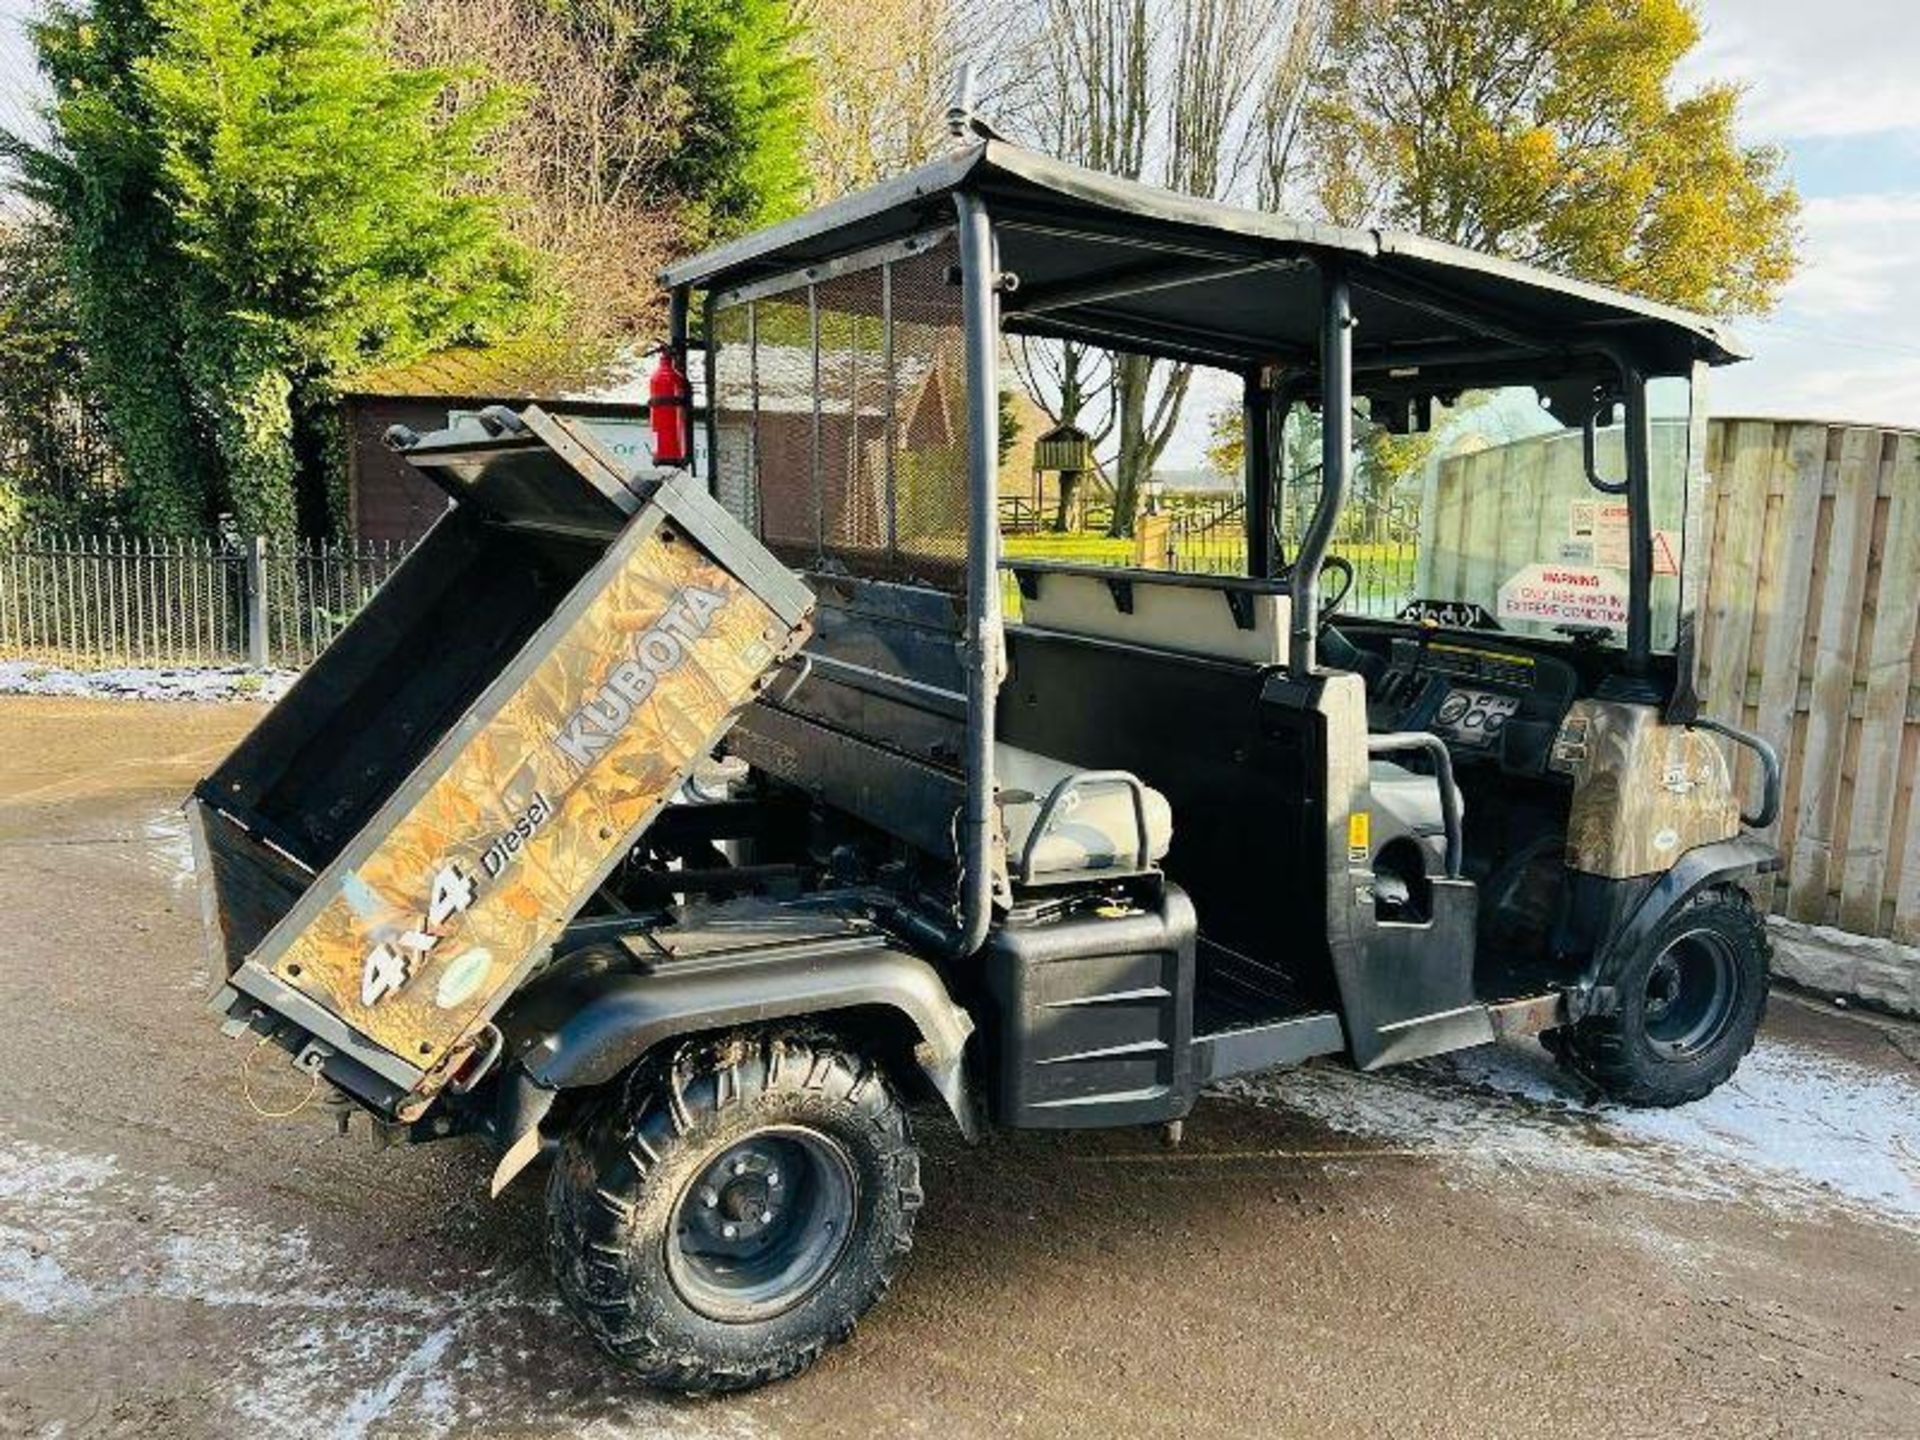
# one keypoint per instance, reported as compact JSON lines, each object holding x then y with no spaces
{"x":735,"y":1211}
{"x":1689,"y":1006}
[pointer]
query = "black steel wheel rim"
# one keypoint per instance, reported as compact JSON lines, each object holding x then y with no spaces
{"x":763,"y":1224}
{"x":1691,"y":989}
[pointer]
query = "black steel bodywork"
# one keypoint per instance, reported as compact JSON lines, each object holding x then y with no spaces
{"x":894,"y":713}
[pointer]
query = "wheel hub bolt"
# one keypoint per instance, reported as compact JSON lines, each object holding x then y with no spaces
{"x":729,"y":1231}
{"x":773,"y":1177}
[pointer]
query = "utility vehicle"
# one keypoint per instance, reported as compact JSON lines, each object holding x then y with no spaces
{"x":477,"y":876}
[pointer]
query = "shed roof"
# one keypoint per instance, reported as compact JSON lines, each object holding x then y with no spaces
{"x":1146,"y":268}
{"x":531,"y":369}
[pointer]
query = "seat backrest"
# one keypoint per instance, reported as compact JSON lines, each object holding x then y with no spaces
{"x":1226,"y":617}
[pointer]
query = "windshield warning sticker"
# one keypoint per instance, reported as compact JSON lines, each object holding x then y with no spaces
{"x":1565,"y":595}
{"x":1597,"y":534}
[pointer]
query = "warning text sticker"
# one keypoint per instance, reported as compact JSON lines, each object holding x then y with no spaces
{"x":1565,"y":595}
{"x":1598,"y":534}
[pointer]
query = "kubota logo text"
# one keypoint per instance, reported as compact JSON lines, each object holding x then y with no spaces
{"x":658,"y":651}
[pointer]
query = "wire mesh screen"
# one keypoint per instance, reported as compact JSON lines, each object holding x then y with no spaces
{"x":930,"y":411}
{"x":840,"y":419}
{"x":854,"y":417}
{"x":733,"y":414}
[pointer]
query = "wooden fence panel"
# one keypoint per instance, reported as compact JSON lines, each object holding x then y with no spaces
{"x":1782,"y":596}
{"x":1889,"y":626}
{"x":1839,"y":590}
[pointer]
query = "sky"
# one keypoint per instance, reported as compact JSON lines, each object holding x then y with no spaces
{"x":1836,"y":84}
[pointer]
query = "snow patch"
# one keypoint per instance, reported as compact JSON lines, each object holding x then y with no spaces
{"x":48,"y":1179}
{"x":35,"y":1282}
{"x":201,"y":683}
{"x":1794,"y":1131}
{"x":323,"y":1346}
{"x":169,"y":843}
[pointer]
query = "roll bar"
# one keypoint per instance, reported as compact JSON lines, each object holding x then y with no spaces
{"x":1336,"y":450}
{"x":1769,"y":758}
{"x":980,"y":320}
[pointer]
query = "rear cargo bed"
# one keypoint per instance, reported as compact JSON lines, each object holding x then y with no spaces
{"x":402,"y":837}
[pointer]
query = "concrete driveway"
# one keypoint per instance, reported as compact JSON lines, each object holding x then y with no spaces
{"x":1459,"y":1248}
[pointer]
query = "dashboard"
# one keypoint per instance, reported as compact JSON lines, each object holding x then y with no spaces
{"x":1489,"y":701}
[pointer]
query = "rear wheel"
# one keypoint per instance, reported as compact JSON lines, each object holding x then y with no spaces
{"x":1689,"y":1006}
{"x":735,"y":1211}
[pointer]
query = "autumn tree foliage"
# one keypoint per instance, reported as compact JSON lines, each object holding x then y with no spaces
{"x":1554,"y":132}
{"x":644,"y":129}
{"x":1548,"y":131}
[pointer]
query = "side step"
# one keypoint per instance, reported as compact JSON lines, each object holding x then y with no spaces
{"x":1259,"y":1047}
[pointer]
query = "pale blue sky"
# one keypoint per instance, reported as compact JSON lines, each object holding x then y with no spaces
{"x":1837,"y":83}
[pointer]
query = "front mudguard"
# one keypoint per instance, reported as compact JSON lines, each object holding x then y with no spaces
{"x":1646,"y":907}
{"x":594,"y":1016}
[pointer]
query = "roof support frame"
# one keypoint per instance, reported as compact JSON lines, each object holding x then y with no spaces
{"x":1046,"y":328}
{"x":1406,"y":290}
{"x":1081,"y":234}
{"x":1135,"y":280}
{"x":980,"y":284}
{"x":850,"y":263}
{"x":1336,"y":456}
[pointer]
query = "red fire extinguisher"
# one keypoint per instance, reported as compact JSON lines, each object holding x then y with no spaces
{"x":670,"y":411}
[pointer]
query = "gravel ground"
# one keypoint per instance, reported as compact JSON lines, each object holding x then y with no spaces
{"x":1461,"y":1247}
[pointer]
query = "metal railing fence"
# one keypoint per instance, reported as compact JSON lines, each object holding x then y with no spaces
{"x":91,"y":600}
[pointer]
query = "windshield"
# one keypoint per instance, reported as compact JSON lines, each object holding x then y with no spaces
{"x":1486,"y":518}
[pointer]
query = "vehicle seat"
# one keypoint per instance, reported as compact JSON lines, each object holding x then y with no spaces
{"x":1223,"y":617}
{"x":1094,"y":826}
{"x":1407,"y":803}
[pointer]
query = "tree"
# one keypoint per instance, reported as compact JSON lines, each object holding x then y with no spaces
{"x":583,"y":153}
{"x":1226,"y":451}
{"x":883,"y":74}
{"x":253,"y":199}
{"x":1544,"y":131}
{"x":52,"y":469}
{"x":1011,"y":425}
{"x":1549,"y":131}
{"x":646,"y":128}
{"x":738,"y":84}
{"x":1201,"y":96}
{"x":100,"y":180}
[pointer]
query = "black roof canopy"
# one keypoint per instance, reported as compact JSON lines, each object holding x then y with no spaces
{"x":1142,"y":268}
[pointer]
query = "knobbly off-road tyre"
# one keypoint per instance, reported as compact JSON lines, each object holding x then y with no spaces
{"x":1690,"y":1005}
{"x":715,"y":1137}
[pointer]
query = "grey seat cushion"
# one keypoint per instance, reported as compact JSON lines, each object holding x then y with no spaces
{"x":1094,"y":829}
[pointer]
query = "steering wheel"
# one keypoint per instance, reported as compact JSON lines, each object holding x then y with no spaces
{"x":1330,"y":604}
{"x":1339,"y":651}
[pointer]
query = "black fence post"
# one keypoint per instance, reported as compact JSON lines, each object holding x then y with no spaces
{"x":257,"y":602}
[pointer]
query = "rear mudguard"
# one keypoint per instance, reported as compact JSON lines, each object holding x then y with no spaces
{"x":595,"y":1015}
{"x":1720,"y":863}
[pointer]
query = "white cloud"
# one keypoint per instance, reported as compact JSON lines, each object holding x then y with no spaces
{"x":1838,"y":68}
{"x":1860,"y":256}
{"x":1845,"y":344}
